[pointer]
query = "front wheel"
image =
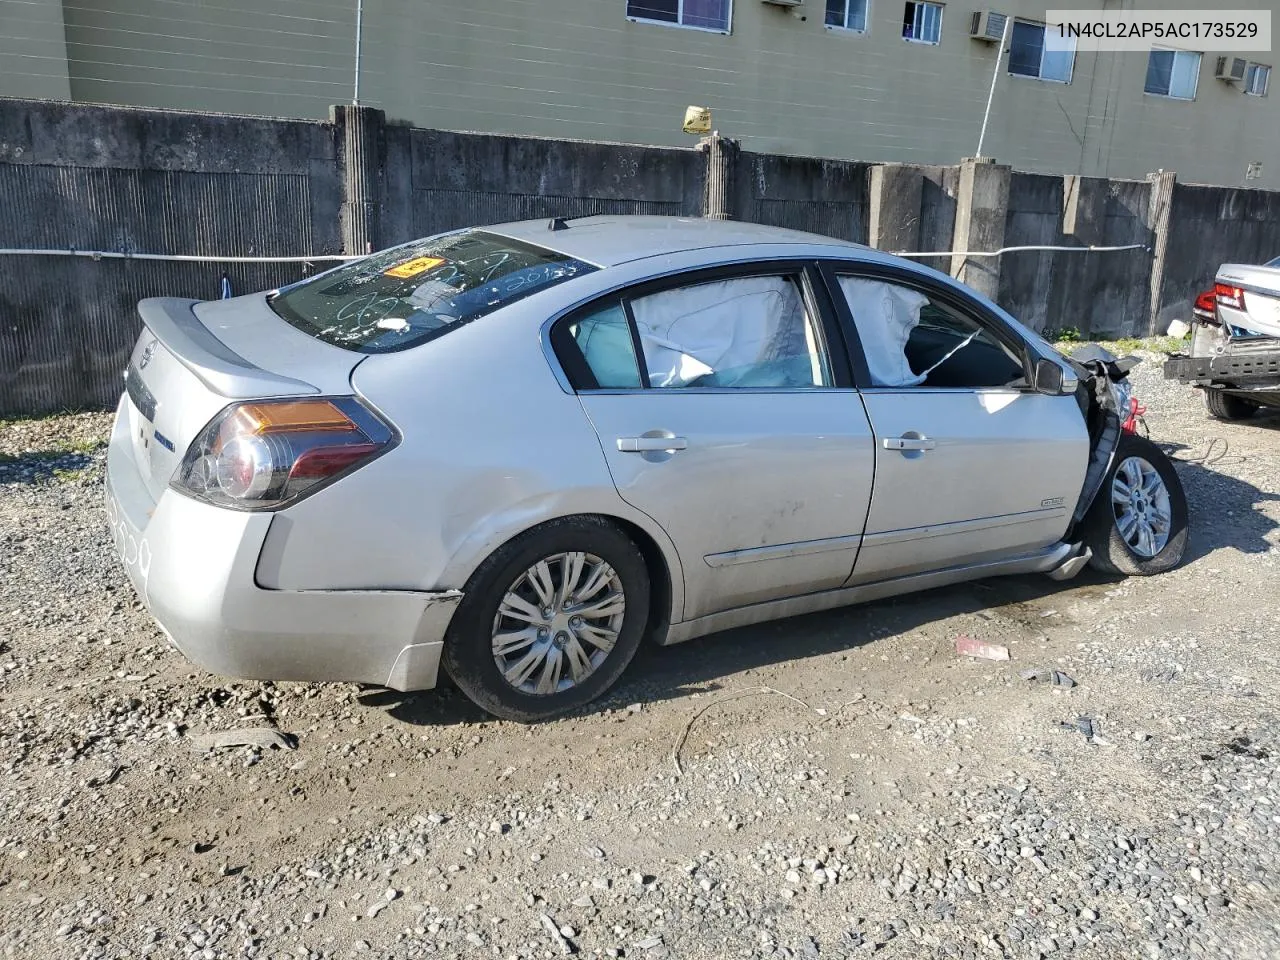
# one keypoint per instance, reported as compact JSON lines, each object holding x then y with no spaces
{"x":1137,"y":526}
{"x":550,"y":620}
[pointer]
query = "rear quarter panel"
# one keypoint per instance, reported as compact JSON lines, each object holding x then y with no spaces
{"x":492,"y":445}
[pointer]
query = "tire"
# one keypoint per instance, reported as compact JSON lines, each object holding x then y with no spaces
{"x":470,"y":655}
{"x":1227,"y":406}
{"x":1113,"y":514}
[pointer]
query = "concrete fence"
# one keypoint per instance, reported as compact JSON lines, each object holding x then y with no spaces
{"x":143,"y":181}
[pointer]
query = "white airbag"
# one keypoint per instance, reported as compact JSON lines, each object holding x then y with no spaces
{"x":734,"y":332}
{"x":885,"y":314}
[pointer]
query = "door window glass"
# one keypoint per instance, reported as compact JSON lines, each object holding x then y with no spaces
{"x":912,"y":339}
{"x":742,"y":332}
{"x":604,"y":340}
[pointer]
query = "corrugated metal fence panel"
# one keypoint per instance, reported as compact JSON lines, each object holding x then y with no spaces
{"x":845,"y":221}
{"x":827,"y":197}
{"x":154,"y":211}
{"x":67,"y":324}
{"x":439,"y":210}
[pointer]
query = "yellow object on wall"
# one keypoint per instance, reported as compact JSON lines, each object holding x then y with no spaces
{"x":697,"y":120}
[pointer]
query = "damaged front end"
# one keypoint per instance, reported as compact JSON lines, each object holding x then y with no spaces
{"x":1110,"y":408}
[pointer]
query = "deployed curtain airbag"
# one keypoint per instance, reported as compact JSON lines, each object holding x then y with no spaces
{"x":885,"y":314}
{"x":748,"y":331}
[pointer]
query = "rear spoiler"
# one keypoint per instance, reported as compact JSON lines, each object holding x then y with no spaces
{"x":173,"y":322}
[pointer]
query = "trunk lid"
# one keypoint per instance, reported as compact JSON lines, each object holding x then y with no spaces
{"x":193,"y":358}
{"x":1261,"y":286}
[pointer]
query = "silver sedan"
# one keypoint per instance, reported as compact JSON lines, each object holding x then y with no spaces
{"x":518,"y":451}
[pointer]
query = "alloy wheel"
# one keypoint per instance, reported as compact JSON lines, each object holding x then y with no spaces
{"x":1140,"y":501}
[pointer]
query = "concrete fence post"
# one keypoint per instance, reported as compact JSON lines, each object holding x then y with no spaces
{"x":982,"y":206}
{"x":1159,"y":206}
{"x":722,"y":158}
{"x":896,"y":193}
{"x":362,"y":150}
{"x":1084,"y":209}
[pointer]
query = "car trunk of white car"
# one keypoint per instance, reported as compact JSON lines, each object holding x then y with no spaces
{"x":1249,"y":298}
{"x":193,"y":359}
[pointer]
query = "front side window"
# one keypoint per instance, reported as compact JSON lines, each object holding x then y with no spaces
{"x":910,"y":339}
{"x":413,"y":293}
{"x":922,"y":22}
{"x":1173,"y":73}
{"x":703,"y":14}
{"x":1029,"y":58}
{"x":847,"y":15}
{"x":1256,"y":80}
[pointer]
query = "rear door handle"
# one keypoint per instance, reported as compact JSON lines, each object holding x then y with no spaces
{"x":908,"y":443}
{"x":651,"y":444}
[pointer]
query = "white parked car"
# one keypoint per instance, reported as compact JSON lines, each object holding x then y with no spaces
{"x":1234,"y":355}
{"x":517,"y":451}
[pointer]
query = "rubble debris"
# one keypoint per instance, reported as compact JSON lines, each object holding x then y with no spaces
{"x":968,"y":646}
{"x":553,"y":931}
{"x":106,"y":779}
{"x":1047,"y":675}
{"x":265,"y":738}
{"x":1086,"y":725}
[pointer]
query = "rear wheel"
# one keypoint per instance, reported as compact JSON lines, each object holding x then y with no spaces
{"x":1228,"y":406}
{"x":550,"y":620}
{"x":1137,"y":526}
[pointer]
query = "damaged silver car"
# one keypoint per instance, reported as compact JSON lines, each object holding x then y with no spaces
{"x":515,"y":452}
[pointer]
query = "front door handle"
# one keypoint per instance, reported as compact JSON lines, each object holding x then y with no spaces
{"x":908,"y":443}
{"x":651,"y":444}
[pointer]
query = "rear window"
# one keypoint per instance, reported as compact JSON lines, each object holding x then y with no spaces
{"x":413,"y":293}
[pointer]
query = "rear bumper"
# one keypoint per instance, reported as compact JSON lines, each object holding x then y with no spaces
{"x":1237,"y":368}
{"x":193,"y":566}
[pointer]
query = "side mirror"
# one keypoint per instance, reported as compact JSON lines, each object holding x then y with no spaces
{"x":1053,"y":379}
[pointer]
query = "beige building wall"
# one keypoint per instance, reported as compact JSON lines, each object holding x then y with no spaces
{"x":33,"y":51}
{"x":289,"y":58}
{"x":779,"y":82}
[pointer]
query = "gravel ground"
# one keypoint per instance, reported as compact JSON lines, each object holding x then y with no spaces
{"x":836,"y":785}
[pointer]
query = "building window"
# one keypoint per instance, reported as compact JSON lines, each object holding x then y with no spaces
{"x":1173,"y":73}
{"x":922,"y":22}
{"x":1256,"y":80}
{"x":1029,"y":58}
{"x":700,"y":14}
{"x":847,"y":14}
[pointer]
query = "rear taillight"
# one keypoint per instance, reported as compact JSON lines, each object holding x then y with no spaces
{"x":264,"y":454}
{"x":1229,"y":296}
{"x":1204,"y":302}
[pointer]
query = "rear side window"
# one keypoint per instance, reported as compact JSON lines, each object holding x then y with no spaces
{"x":742,"y":332}
{"x":413,"y":293}
{"x":604,"y":338}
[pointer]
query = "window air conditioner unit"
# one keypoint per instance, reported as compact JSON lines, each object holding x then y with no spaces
{"x":987,"y":25}
{"x":1230,"y":69}
{"x":783,"y":3}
